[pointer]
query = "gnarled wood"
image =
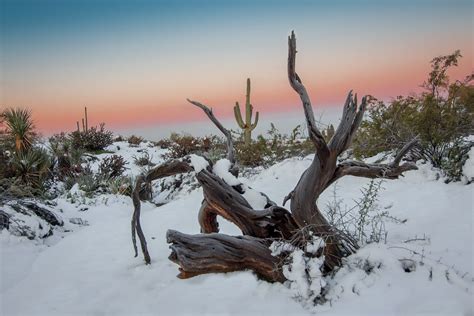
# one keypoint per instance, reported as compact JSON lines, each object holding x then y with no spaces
{"x":222,"y":199}
{"x":226,"y":132}
{"x":136,"y":225}
{"x":207,"y":218}
{"x":164,"y":170}
{"x":297,"y":85}
{"x":213,"y":253}
{"x":324,"y":169}
{"x":390,"y":171}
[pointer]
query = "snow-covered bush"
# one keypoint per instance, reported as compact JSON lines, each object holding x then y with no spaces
{"x":134,"y":140}
{"x":302,"y":267}
{"x":112,"y":166}
{"x":144,"y":160}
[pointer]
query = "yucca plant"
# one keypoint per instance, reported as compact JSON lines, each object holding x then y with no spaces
{"x":32,"y":166}
{"x":20,"y":127}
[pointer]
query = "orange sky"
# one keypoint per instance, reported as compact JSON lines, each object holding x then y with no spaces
{"x":135,"y":64}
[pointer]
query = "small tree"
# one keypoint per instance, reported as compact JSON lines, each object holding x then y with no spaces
{"x":442,"y":115}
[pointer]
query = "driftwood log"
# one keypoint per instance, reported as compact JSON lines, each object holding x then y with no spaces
{"x":211,"y":252}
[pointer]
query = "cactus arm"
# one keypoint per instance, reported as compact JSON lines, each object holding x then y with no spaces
{"x":247,"y":96}
{"x":238,"y":116}
{"x":256,"y":121}
{"x":248,"y":105}
{"x":85,"y":115}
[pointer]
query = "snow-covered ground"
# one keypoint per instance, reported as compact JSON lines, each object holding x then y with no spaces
{"x":91,"y":270}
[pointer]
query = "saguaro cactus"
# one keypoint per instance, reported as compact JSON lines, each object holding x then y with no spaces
{"x":247,"y":126}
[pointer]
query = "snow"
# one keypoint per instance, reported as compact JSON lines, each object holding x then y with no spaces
{"x":90,"y":269}
{"x":129,"y":153}
{"x":468,"y":168}
{"x":256,"y":200}
{"x":221,"y":168}
{"x":198,"y":163}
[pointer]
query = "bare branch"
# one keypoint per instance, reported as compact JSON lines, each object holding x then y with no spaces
{"x":227,"y":134}
{"x":351,"y":118}
{"x":136,"y":226}
{"x":297,"y":85}
{"x":356,"y":123}
{"x":405,"y":149}
{"x":164,"y":170}
{"x":288,"y":197}
{"x":387,"y":171}
{"x":361,"y":169}
{"x":169,"y":168}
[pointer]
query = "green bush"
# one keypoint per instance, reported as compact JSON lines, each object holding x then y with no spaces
{"x":67,"y":159}
{"x":92,"y":139}
{"x":182,"y":145}
{"x":442,"y":116}
{"x":253,"y":154}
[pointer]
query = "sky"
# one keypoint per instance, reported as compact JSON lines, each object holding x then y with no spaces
{"x":133,"y":63}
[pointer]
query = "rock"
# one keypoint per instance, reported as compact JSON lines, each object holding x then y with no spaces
{"x":4,"y":220}
{"x":78,"y":221}
{"x":44,"y":213}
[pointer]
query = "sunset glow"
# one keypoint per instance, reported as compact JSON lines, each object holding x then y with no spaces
{"x":134,"y":63}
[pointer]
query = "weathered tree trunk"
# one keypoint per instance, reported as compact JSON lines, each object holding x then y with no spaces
{"x":224,"y":200}
{"x":208,"y":219}
{"x":212,"y":252}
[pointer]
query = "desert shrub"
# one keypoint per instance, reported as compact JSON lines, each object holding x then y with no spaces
{"x":442,"y":116}
{"x":89,"y":182}
{"x":277,"y":147}
{"x":119,"y":138}
{"x":366,"y":221}
{"x":67,"y":159}
{"x":112,"y":166}
{"x":253,"y":154}
{"x":262,"y":151}
{"x":120,"y":185}
{"x":135,"y":140}
{"x":143,"y":160}
{"x":92,"y":139}
{"x":182,"y":145}
{"x":456,"y":156}
{"x":32,"y":166}
{"x":14,"y":188}
{"x":164,"y":143}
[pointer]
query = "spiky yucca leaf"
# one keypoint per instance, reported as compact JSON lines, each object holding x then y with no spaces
{"x":32,"y":166}
{"x":20,"y":127}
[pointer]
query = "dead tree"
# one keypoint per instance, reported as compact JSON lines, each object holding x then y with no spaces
{"x":212,"y":252}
